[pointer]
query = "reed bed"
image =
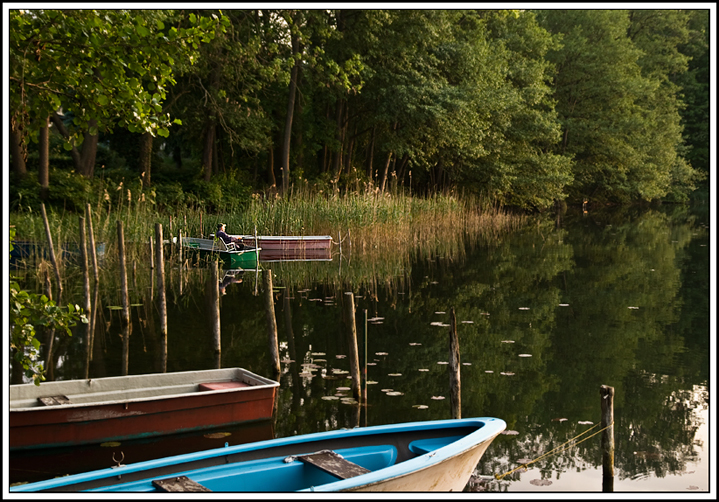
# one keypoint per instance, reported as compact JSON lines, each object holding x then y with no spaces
{"x":386,"y":227}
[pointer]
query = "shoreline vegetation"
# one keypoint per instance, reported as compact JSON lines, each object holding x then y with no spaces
{"x":370,"y":224}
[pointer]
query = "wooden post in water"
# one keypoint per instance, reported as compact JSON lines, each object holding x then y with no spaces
{"x":271,"y":321}
{"x":93,"y":250}
{"x":52,"y":252}
{"x":607,"y":395}
{"x":123,"y":273}
{"x":215,"y":313}
{"x":455,"y":394}
{"x":364,"y":391}
{"x":152,"y":255}
{"x":86,"y":295}
{"x":125,"y":317}
{"x":160,"y":266}
{"x":352,"y":343}
{"x":179,"y":251}
{"x":96,"y":276}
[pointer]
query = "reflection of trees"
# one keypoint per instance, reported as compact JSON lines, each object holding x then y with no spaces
{"x":599,"y":265}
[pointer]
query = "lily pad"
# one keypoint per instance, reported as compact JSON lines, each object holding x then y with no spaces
{"x":437,"y":398}
{"x":330,"y":398}
{"x":423,"y":369}
{"x":394,"y":374}
{"x":395,"y":393}
{"x":525,"y":355}
{"x":420,"y":406}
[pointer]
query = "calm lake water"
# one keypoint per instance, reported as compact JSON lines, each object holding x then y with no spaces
{"x":545,"y":317}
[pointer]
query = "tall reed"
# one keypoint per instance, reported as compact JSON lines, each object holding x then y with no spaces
{"x":380,"y":225}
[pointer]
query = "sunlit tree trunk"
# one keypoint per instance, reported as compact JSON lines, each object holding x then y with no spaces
{"x":43,"y":171}
{"x":17,"y":152}
{"x":146,"y":158}
{"x":288,"y":119}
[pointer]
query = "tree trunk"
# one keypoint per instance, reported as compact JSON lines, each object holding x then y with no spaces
{"x":288,"y":119}
{"x":271,"y":168}
{"x":18,"y":152}
{"x":370,"y":154}
{"x":89,"y":152}
{"x":43,"y":173}
{"x":146,"y":158}
{"x":84,"y":161}
{"x":402,"y":167}
{"x":336,"y":161}
{"x":208,"y":145}
{"x":383,"y":180}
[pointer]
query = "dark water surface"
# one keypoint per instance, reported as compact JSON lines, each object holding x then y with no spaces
{"x":545,"y":317}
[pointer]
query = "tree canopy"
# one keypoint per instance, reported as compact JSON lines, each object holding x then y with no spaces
{"x":525,"y":107}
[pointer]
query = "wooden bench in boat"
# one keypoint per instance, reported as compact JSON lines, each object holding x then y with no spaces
{"x":284,"y":473}
{"x":54,"y":400}
{"x":333,"y":463}
{"x":178,"y":484}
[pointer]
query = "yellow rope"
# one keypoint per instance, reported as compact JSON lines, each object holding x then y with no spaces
{"x":558,"y":449}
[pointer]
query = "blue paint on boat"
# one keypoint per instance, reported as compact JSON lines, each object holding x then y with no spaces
{"x":375,"y":448}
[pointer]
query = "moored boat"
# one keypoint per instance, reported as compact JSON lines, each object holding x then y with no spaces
{"x":229,"y":256}
{"x":73,"y":412}
{"x":420,"y":456}
{"x":287,"y":242}
{"x":279,"y":255}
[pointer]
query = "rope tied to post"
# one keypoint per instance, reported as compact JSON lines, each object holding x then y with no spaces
{"x":564,"y":446}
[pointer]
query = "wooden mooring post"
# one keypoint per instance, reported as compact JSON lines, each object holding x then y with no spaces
{"x":160,"y":268}
{"x":455,"y":394}
{"x":607,"y":401}
{"x":214,"y":289}
{"x":352,"y":343}
{"x":271,"y":321}
{"x":86,"y":295}
{"x":52,"y":253}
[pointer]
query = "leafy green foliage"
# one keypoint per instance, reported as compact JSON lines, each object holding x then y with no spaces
{"x":28,"y":310}
{"x":110,"y":68}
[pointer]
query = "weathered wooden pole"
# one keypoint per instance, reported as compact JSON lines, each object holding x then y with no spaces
{"x":160,"y":267}
{"x":152,"y":255}
{"x":364,"y":390}
{"x":96,"y":276}
{"x":215,"y":328}
{"x":271,"y":321}
{"x":455,"y":394}
{"x":607,"y":395}
{"x":93,"y":250}
{"x":50,"y":333}
{"x":179,"y":249}
{"x":86,"y":295}
{"x":123,"y":273}
{"x":52,"y":252}
{"x":352,"y":342}
{"x":125,"y":317}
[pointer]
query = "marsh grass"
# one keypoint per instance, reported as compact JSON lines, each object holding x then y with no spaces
{"x":387,"y":228}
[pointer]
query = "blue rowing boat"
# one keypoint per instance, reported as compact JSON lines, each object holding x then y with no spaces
{"x":435,"y":455}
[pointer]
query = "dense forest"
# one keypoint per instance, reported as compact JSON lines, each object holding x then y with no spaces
{"x":525,"y":108}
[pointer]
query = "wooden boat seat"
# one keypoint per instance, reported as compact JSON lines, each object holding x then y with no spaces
{"x":54,"y":400}
{"x":333,"y":463}
{"x":179,"y":484}
{"x":221,"y":385}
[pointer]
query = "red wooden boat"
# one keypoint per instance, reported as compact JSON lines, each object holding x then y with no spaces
{"x":74,"y":412}
{"x":288,"y":242}
{"x":276,"y":255}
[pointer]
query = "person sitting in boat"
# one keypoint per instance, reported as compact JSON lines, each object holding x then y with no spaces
{"x":226,"y":238}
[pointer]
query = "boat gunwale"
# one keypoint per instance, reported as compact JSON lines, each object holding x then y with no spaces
{"x":487,"y":427}
{"x":228,"y":375}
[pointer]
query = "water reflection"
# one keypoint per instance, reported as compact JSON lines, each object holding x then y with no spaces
{"x":544,"y":318}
